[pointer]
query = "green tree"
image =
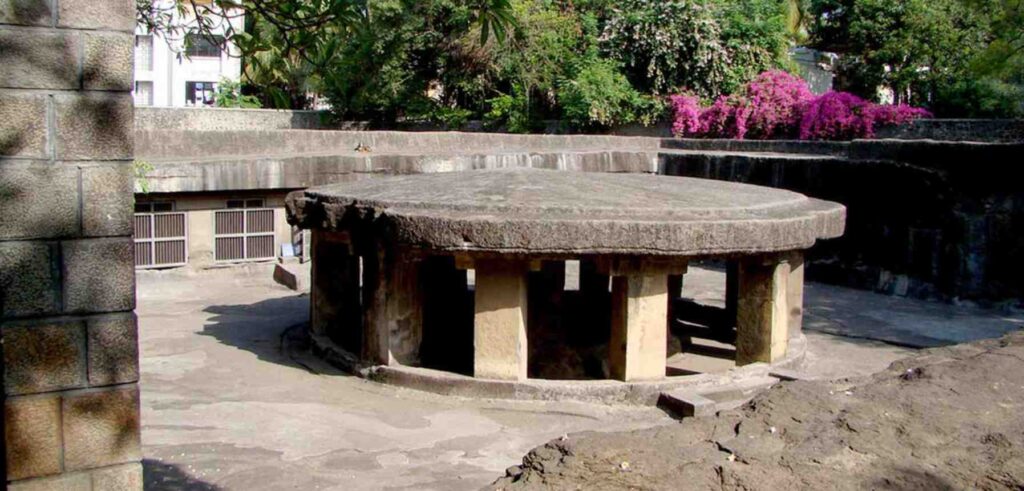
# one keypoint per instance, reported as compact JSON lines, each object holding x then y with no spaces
{"x":757,"y":34}
{"x":666,"y":46}
{"x":229,"y":94}
{"x":915,"y":47}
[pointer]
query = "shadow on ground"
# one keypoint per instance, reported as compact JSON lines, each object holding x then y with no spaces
{"x":158,"y":476}
{"x":262,"y":328}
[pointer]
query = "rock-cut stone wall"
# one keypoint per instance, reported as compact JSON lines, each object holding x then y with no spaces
{"x":70,"y":356}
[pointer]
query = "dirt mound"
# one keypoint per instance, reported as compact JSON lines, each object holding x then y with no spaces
{"x":949,"y":418}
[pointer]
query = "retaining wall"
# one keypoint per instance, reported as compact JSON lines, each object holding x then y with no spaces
{"x":67,"y":282}
{"x":980,"y":130}
{"x":926,"y":219}
{"x":214,"y":119}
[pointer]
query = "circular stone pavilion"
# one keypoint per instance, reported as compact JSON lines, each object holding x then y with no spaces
{"x":391,"y":255}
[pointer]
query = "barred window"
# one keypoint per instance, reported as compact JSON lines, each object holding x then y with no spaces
{"x":198,"y":46}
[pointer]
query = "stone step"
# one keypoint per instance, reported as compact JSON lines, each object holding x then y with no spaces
{"x":689,"y":403}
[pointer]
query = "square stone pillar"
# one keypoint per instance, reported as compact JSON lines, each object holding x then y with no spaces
{"x":638,"y":347}
{"x":762,"y":319}
{"x":334,"y":297}
{"x":392,"y":308}
{"x":499,"y":333}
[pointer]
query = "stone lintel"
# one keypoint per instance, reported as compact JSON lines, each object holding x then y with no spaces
{"x":638,"y":346}
{"x":762,"y":318}
{"x":637,"y":265}
{"x":499,"y":343}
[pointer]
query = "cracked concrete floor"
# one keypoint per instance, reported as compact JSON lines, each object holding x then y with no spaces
{"x":224,"y":408}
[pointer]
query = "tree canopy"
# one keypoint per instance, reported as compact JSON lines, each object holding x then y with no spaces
{"x":599,"y":63}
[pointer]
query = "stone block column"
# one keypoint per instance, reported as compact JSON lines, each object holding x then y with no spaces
{"x":763,"y":316}
{"x":392,"y":308}
{"x":334,"y":293}
{"x":638,"y":347}
{"x":67,"y":279}
{"x":499,"y":332}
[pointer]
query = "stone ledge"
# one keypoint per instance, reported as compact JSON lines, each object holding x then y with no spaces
{"x":596,"y":391}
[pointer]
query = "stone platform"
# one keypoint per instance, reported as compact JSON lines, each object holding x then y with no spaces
{"x":391,"y":258}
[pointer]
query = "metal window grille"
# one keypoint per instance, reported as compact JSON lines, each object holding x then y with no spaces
{"x":245,"y":234}
{"x":144,"y":52}
{"x":161,"y":240}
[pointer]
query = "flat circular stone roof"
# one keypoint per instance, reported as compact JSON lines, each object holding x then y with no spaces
{"x":533,"y":211}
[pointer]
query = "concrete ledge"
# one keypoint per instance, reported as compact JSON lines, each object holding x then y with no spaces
{"x":591,"y":391}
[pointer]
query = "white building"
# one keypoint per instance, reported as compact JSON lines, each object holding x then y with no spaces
{"x":168,"y":75}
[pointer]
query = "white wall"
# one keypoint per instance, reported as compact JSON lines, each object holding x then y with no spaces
{"x":172,"y":70}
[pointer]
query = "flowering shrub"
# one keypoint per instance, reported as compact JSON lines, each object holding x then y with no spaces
{"x":775,"y":99}
{"x":687,"y":112}
{"x":837,"y":116}
{"x":896,"y":115}
{"x":779,"y":105}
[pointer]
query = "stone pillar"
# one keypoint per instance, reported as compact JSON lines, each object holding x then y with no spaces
{"x":334,"y":295}
{"x":499,"y":332}
{"x":762,"y":320}
{"x":795,"y":293}
{"x":639,"y":337}
{"x":67,"y":280}
{"x":638,"y":349}
{"x":392,"y":311}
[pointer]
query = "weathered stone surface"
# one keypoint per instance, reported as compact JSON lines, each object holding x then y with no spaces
{"x":107,"y":198}
{"x":118,"y":15}
{"x":113,"y":349}
{"x":334,"y":292}
{"x":95,"y":126}
{"x":976,"y":130}
{"x":32,"y":427}
{"x":500,"y":344}
{"x":26,"y":12}
{"x":66,"y":482}
{"x":101,"y":428}
{"x":107,"y":62}
{"x":39,"y":59}
{"x":43,"y":357}
{"x":638,"y":345}
{"x":405,"y":311}
{"x":537,"y":211}
{"x":763,"y":315}
{"x":23,"y":133}
{"x":29,"y":279}
{"x":99,"y":275}
{"x":40,"y":200}
{"x":122,"y":477}
{"x":222,"y":119}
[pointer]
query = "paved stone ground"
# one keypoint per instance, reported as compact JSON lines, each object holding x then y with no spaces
{"x":224,"y":407}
